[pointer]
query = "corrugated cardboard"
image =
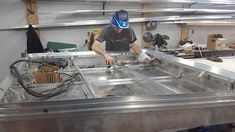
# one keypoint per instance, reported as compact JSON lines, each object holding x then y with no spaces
{"x":47,"y":75}
{"x":214,"y":41}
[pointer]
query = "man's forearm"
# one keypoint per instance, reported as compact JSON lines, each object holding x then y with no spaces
{"x":136,"y":48}
{"x":143,"y":57}
{"x":96,"y":47}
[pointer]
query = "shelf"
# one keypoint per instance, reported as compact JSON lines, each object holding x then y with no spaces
{"x":159,"y":10}
{"x":160,"y":14}
{"x":223,"y":2}
{"x":162,"y":19}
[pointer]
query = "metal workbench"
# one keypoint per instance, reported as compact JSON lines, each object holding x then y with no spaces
{"x":169,"y":94}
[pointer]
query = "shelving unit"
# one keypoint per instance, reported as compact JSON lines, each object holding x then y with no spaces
{"x":184,"y":12}
{"x":161,"y":13}
{"x":224,"y":2}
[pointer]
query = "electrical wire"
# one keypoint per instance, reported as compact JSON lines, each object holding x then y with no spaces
{"x":62,"y":87}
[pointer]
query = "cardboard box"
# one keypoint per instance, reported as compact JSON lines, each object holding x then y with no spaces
{"x":47,"y":75}
{"x":215,"y":41}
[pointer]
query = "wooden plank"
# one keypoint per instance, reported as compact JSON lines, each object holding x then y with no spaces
{"x":145,"y":14}
{"x":184,"y":32}
{"x":32,"y":10}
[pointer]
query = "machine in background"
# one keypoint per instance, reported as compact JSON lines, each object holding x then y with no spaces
{"x":91,"y":38}
{"x":157,"y":40}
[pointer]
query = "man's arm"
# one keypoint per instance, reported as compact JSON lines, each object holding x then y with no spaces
{"x":142,"y":55}
{"x":96,"y":47}
{"x":136,"y":48}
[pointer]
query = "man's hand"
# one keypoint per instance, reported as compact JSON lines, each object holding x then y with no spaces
{"x":143,"y":57}
{"x":109,"y":59}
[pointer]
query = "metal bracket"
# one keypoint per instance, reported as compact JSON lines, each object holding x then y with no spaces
{"x":103,"y":7}
{"x":231,"y":84}
{"x":180,"y":74}
{"x":202,"y":74}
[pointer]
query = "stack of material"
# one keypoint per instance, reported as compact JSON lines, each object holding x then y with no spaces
{"x":215,"y":41}
{"x":47,"y":75}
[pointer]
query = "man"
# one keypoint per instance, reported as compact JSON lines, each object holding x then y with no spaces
{"x":119,"y":37}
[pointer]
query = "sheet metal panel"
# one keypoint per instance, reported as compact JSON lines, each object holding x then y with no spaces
{"x":184,"y":62}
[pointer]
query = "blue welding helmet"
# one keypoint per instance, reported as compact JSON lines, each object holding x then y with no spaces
{"x":120,"y":19}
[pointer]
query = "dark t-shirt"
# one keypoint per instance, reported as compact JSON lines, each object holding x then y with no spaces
{"x":116,"y":41}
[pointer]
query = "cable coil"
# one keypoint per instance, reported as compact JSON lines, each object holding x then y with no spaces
{"x":60,"y":88}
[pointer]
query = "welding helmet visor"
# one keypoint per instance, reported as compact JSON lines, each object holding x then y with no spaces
{"x":120,"y":19}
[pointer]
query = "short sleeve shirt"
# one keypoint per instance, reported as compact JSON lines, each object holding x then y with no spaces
{"x":117,"y":41}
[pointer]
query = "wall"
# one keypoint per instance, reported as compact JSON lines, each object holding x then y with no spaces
{"x":12,"y":13}
{"x":77,"y":35}
{"x":200,"y":33}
